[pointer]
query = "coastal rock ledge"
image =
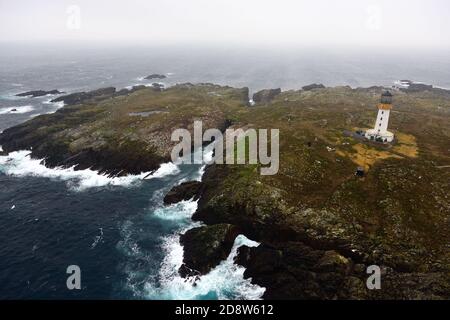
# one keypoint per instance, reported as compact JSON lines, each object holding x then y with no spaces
{"x":205,"y":247}
{"x":185,"y":191}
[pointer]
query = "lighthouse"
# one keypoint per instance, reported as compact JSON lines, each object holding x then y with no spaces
{"x":379,"y":132}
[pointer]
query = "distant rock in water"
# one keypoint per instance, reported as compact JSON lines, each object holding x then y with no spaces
{"x":313,"y":86}
{"x":205,"y":247}
{"x":155,"y":76}
{"x":185,"y":191}
{"x":266,"y":95}
{"x":38,"y":93}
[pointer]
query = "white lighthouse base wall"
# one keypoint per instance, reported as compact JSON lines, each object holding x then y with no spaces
{"x":374,"y":135}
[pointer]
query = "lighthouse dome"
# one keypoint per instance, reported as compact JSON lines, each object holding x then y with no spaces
{"x":386,"y":97}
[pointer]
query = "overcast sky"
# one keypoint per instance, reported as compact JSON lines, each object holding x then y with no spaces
{"x":405,"y":23}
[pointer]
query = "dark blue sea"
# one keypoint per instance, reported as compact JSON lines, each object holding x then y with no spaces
{"x":117,"y":230}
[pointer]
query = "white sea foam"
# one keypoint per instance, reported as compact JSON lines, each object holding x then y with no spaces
{"x":20,"y":164}
{"x":226,"y":281}
{"x":165,"y":169}
{"x":56,"y":105}
{"x":178,"y":211}
{"x":97,"y":239}
{"x":207,"y":158}
{"x":17,"y":110}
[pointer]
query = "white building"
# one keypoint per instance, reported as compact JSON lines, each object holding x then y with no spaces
{"x":379,"y":132}
{"x":402,"y":84}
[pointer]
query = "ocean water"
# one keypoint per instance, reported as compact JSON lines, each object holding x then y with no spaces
{"x":117,"y":230}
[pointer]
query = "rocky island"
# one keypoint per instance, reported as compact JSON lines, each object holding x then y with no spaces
{"x":155,"y":76}
{"x":38,"y":93}
{"x":318,"y":224}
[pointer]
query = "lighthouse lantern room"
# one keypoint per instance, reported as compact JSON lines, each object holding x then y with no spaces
{"x":379,"y":132}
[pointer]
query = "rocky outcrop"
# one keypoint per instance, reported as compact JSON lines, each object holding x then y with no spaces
{"x":185,"y":191}
{"x":99,"y":94}
{"x":38,"y":93}
{"x":80,"y":97}
{"x":266,"y":95}
{"x":205,"y":247}
{"x":155,"y":76}
{"x":313,"y":86}
{"x":98,"y":129}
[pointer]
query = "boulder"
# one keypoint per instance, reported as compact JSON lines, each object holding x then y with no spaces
{"x":266,"y":95}
{"x":185,"y":191}
{"x":205,"y":247}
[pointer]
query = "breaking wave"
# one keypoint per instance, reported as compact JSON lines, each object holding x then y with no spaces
{"x":17,"y":110}
{"x":20,"y":164}
{"x":56,"y":105}
{"x":226,"y":281}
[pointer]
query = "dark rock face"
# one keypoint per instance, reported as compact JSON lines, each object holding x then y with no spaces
{"x":206,"y":247}
{"x":38,"y":93}
{"x":155,"y":76}
{"x":313,"y":86}
{"x":185,"y":191}
{"x":265,"y":96}
{"x":293,"y":270}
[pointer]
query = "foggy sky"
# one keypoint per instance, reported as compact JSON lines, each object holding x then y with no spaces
{"x":391,"y":23}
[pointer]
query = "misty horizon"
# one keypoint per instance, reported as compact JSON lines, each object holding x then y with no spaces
{"x":285,"y":24}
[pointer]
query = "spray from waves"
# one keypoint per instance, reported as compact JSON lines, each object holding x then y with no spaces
{"x":20,"y":164}
{"x":17,"y":110}
{"x":226,"y":281}
{"x":208,"y":153}
{"x":176,"y":212}
{"x":56,"y":105}
{"x":153,"y":274}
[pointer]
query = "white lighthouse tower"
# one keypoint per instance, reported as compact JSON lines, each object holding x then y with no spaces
{"x":379,"y":132}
